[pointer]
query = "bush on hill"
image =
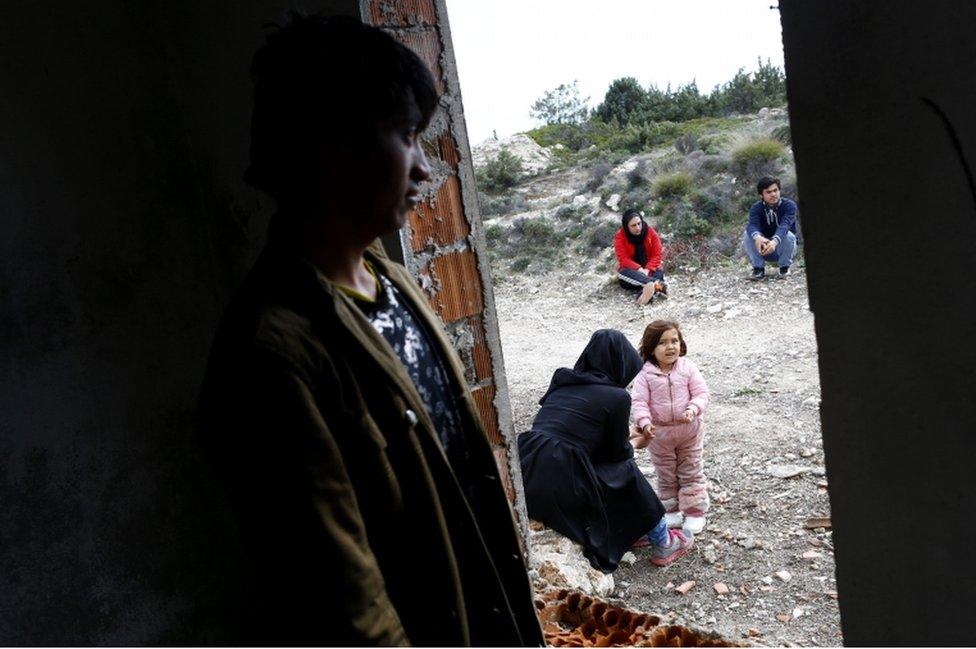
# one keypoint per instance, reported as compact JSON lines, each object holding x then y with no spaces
{"x":758,"y":158}
{"x":500,"y":172}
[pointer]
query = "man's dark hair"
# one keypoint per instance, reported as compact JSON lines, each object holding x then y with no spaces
{"x":765,"y":182}
{"x":322,"y":81}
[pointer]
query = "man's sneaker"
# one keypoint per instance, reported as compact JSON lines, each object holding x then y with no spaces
{"x":661,"y":288}
{"x":678,"y":546}
{"x":673,"y":519}
{"x":757,"y":273}
{"x":784,"y":272}
{"x":693,"y":524}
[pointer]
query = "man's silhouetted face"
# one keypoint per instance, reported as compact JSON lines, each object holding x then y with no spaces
{"x":374,"y":180}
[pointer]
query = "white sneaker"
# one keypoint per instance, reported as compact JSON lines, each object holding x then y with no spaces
{"x":674,"y":519}
{"x":694,"y":524}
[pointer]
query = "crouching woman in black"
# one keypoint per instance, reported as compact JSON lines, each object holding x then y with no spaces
{"x":578,"y":465}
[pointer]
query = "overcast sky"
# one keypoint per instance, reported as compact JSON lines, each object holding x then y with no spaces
{"x":509,"y":52}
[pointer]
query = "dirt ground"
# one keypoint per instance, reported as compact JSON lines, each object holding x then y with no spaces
{"x":755,"y":345}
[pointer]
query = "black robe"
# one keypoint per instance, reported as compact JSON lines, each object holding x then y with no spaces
{"x":577,"y":463}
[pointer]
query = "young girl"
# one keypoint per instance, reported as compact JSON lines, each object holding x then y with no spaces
{"x":667,"y":402}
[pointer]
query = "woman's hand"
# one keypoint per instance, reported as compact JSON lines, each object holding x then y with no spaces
{"x":641,"y":437}
{"x":689,"y":415}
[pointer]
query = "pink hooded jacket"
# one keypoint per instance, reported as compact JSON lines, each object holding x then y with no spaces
{"x":661,"y":398}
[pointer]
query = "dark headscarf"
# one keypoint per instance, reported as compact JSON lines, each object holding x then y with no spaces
{"x":640,"y":252}
{"x":608,"y":359}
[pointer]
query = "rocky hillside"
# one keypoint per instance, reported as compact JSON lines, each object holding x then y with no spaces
{"x":554,"y":207}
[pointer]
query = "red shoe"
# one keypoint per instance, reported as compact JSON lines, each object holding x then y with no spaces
{"x":642,"y":542}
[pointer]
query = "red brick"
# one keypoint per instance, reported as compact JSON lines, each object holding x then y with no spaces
{"x":459,"y":292}
{"x":685,"y":587}
{"x":447,"y":148}
{"x":440,"y":220}
{"x":427,"y":45}
{"x":402,"y":13}
{"x":501,"y":459}
{"x":484,"y":398}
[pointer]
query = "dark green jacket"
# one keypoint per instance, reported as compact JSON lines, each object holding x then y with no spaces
{"x":355,"y":526}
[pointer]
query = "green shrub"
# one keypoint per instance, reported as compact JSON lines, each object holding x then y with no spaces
{"x":602,"y":234}
{"x":595,"y":176}
{"x":637,"y":177}
{"x":715,"y":163}
{"x":686,"y":143}
{"x":500,"y":172}
{"x":501,"y":205}
{"x":535,"y":230}
{"x":521,"y":264}
{"x":575,"y":230}
{"x":494,"y":232}
{"x":571,"y":213}
{"x":707,"y":206}
{"x":673,"y":185}
{"x":680,"y":219}
{"x":758,"y":158}
{"x":746,"y":201}
{"x":782,"y":134}
{"x":691,"y":227}
{"x":638,"y":198}
{"x":714,"y":143}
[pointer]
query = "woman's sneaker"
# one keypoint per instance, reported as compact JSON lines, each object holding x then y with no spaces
{"x":678,"y":546}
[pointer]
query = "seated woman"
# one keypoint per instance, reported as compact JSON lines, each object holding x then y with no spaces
{"x":578,"y":464}
{"x":639,"y":257}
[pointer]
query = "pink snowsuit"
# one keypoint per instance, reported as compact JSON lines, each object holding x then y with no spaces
{"x":677,"y":447}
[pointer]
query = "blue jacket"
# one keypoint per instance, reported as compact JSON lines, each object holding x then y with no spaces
{"x":784,"y":220}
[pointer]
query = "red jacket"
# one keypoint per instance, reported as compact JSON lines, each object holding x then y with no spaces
{"x":625,"y":250}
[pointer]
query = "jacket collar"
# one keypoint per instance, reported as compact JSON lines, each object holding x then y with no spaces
{"x":317,"y":293}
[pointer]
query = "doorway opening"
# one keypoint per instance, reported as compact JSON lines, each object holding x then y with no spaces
{"x":688,"y":155}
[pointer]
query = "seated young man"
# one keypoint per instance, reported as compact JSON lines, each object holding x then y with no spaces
{"x":770,"y":235}
{"x":368,"y":499}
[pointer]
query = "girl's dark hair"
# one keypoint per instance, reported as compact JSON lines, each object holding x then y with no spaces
{"x":322,"y":81}
{"x":652,"y":336}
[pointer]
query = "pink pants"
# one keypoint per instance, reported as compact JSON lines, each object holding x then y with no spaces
{"x":676,"y":451}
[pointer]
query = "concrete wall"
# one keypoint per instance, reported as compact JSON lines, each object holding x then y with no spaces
{"x":883,"y":110}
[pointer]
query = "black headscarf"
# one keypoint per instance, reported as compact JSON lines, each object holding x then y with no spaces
{"x":640,"y":252}
{"x":608,"y":359}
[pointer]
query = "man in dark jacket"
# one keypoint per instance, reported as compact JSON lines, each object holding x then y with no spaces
{"x":334,"y":407}
{"x":771,"y":232}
